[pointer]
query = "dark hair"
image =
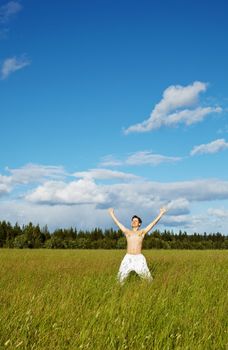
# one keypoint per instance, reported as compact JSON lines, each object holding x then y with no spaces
{"x":135,"y":216}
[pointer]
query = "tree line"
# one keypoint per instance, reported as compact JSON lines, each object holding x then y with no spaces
{"x":33,"y":236}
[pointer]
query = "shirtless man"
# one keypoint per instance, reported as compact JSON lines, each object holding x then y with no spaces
{"x":134,"y":260}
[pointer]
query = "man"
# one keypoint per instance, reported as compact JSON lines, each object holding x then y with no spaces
{"x":134,"y":260}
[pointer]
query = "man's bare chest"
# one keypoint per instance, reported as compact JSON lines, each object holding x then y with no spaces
{"x":135,"y":236}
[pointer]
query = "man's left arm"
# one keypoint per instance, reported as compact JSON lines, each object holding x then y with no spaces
{"x":154,"y":222}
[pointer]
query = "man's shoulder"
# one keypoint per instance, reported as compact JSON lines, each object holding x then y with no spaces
{"x":141,"y":232}
{"x":127,"y":231}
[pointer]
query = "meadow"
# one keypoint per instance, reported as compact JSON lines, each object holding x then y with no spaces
{"x":70,"y":299}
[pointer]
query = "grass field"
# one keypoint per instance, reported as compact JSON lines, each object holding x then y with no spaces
{"x":69,"y":299}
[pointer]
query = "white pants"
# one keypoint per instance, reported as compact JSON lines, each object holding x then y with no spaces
{"x":134,"y":262}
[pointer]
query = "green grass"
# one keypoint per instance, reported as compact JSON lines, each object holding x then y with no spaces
{"x":69,"y":299}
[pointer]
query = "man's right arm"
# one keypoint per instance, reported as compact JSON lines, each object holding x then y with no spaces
{"x":121,"y":227}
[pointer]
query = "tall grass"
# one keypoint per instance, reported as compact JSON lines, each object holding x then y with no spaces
{"x":70,"y":299}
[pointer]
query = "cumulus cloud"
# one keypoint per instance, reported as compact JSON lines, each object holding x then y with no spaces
{"x":8,"y":10}
{"x":83,"y":191}
{"x":143,"y":194}
{"x":13,"y":64}
{"x":57,"y":187}
{"x":212,"y":147}
{"x":174,"y":109}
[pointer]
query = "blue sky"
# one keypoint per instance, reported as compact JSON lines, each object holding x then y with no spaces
{"x":114,"y":103}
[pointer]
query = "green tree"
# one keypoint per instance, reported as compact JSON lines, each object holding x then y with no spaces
{"x":20,"y":242}
{"x":121,"y":243}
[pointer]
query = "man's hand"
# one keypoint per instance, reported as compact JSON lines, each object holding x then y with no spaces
{"x":151,"y":225}
{"x":121,"y":227}
{"x":111,"y":211}
{"x":163,"y":211}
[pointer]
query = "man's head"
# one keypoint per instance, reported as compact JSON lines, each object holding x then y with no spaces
{"x":135,"y":222}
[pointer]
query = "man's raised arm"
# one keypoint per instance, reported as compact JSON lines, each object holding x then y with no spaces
{"x":122,"y":227}
{"x":153,"y":223}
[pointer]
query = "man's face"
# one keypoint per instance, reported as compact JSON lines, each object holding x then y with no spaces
{"x":135,"y":223}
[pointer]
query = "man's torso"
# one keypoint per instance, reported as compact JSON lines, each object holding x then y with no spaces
{"x":134,"y":241}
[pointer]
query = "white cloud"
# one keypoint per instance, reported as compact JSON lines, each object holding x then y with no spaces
{"x":146,"y":157}
{"x":8,"y":10}
{"x":147,"y":194}
{"x":143,"y":194}
{"x":109,"y":160}
{"x":212,"y":147}
{"x":139,"y":158}
{"x":83,"y":191}
{"x":177,"y":221}
{"x":55,"y":186}
{"x":29,"y":174}
{"x":219,"y":213}
{"x":179,"y":206}
{"x":5,"y":185}
{"x":105,"y":174}
{"x":196,"y":190}
{"x":11,"y":65}
{"x":167,"y":112}
{"x":83,"y":204}
{"x":189,"y":117}
{"x":35,"y":173}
